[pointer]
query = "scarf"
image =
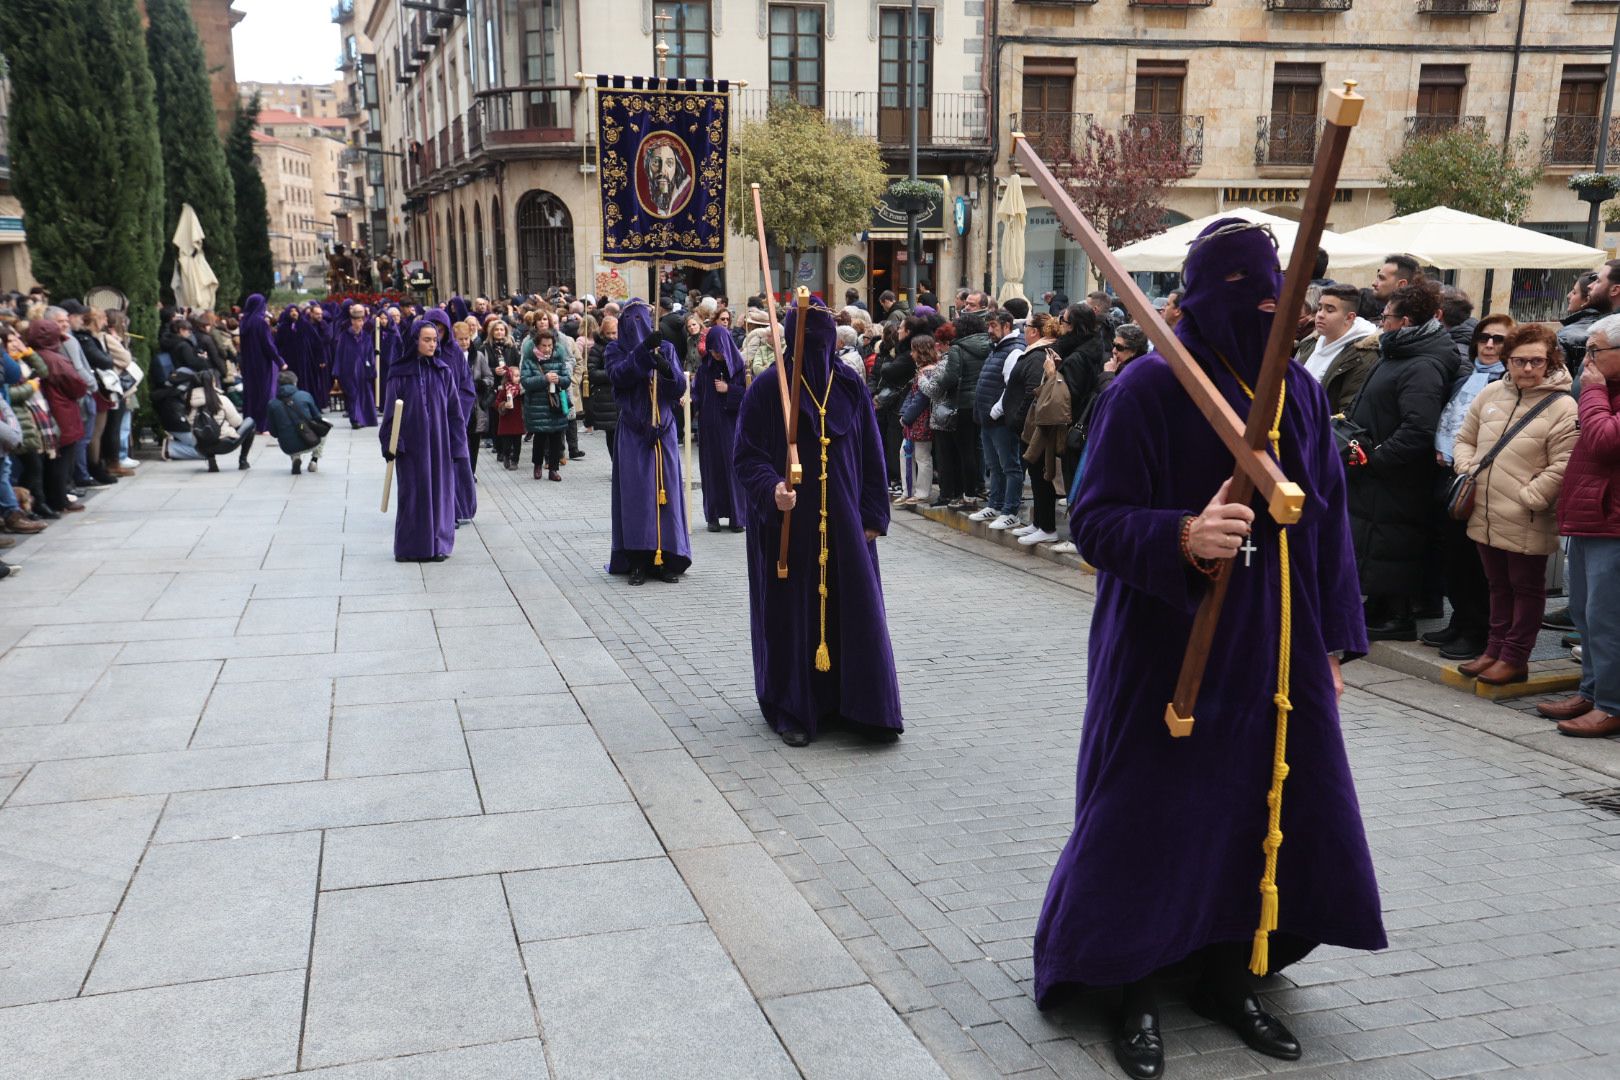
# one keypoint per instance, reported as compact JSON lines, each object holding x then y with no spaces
{"x":1456,"y":410}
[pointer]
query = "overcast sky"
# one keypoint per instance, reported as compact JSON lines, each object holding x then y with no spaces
{"x":286,"y":40}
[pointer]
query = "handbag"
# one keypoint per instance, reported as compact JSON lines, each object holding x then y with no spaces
{"x":1460,"y":496}
{"x":942,"y":417}
{"x":204,"y":429}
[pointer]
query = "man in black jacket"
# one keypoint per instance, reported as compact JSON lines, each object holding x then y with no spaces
{"x":600,"y":407}
{"x":1390,"y":491}
{"x":1002,"y":456}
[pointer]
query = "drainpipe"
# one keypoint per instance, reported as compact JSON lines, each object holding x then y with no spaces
{"x":1507,"y":132}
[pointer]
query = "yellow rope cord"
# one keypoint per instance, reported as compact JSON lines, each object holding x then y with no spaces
{"x":1260,"y":955}
{"x":658,"y":461}
{"x":823,"y":656}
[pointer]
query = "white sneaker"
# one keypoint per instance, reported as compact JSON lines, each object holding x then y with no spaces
{"x":1024,"y":530}
{"x":987,"y":514}
{"x":1066,"y":548}
{"x":1037,"y":536}
{"x":129,"y":463}
{"x":1005,"y":521}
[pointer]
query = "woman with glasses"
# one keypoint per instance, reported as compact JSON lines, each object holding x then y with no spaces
{"x":1517,"y":491}
{"x":1463,"y":637}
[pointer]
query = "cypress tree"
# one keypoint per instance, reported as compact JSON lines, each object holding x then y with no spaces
{"x":85,"y":162}
{"x":193,"y":156}
{"x":252,"y":203}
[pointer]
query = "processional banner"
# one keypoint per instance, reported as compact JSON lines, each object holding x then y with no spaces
{"x":661,"y":165}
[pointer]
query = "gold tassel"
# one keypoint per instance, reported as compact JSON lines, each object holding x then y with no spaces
{"x":823,"y":655}
{"x":823,"y":658}
{"x":1260,"y":955}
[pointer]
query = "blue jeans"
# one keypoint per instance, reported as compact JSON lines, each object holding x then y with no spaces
{"x":125,"y":418}
{"x":1004,"y":460}
{"x":183,"y":446}
{"x":81,"y":459}
{"x":1594,"y":605}
{"x":8,"y":498}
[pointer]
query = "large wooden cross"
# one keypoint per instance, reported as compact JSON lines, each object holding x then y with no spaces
{"x":1249,"y":443}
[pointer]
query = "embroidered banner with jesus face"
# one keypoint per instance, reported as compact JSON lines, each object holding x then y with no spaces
{"x":661,"y":161}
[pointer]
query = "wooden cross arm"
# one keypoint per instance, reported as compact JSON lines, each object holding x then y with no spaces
{"x":1284,"y":500}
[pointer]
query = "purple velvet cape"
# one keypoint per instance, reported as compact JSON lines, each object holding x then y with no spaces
{"x":354,"y":362}
{"x":861,"y":687}
{"x":289,"y":341}
{"x":716,"y":415}
{"x":392,"y":344}
{"x":1165,"y":857}
{"x":433,"y":436}
{"x":466,"y":481}
{"x":640,"y":525}
{"x":259,"y":361}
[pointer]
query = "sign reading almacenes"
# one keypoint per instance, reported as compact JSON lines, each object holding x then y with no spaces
{"x":1246,"y":196}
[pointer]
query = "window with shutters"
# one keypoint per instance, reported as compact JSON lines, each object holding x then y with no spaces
{"x":796,"y":41}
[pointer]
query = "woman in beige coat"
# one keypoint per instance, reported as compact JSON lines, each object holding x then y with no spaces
{"x":1513,"y":521}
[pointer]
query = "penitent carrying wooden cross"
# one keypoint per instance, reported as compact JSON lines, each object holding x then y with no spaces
{"x":1256,"y":470}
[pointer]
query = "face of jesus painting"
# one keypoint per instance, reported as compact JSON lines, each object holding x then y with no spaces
{"x":663,"y":175}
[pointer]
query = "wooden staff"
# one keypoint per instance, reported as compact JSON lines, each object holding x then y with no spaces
{"x":376,"y":357}
{"x":686,"y":406}
{"x":393,"y":449}
{"x":803,"y":299}
{"x":795,"y":471}
{"x":1248,"y":442}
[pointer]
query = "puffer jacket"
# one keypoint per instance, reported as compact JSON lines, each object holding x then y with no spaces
{"x":226,"y":416}
{"x":1392,"y":496}
{"x":601,"y":407}
{"x":1572,"y":337}
{"x":538,"y":414}
{"x":757,"y":350}
{"x":959,"y":374}
{"x":1590,"y":503}
{"x":1515,"y":497}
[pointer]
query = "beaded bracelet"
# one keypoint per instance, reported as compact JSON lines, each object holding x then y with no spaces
{"x":1210,"y":568}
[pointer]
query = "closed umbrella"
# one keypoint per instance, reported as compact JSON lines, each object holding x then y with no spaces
{"x":1014,"y":216}
{"x":194,"y":282}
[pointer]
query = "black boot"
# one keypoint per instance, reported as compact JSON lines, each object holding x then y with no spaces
{"x":638,"y":576}
{"x":298,"y":466}
{"x":213,"y":466}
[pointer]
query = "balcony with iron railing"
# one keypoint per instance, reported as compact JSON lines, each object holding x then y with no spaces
{"x":514,"y":120}
{"x":944,"y":121}
{"x":347,"y":110}
{"x":1286,"y":141}
{"x":1171,"y":3}
{"x":1427,"y":125}
{"x":1308,"y":7}
{"x":1056,"y":136}
{"x":342,"y":11}
{"x":1185,"y":131}
{"x":1572,"y":140}
{"x":1458,"y":8}
{"x":458,"y":141}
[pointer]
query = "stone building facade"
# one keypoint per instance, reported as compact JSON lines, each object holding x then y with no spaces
{"x":288,"y":170}
{"x":317,"y":100}
{"x":487,"y":139}
{"x":1245,"y":79}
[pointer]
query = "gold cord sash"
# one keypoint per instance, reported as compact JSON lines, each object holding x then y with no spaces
{"x":823,"y":656}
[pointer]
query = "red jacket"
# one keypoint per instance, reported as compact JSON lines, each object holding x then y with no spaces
{"x":510,"y":420}
{"x":1590,"y":502}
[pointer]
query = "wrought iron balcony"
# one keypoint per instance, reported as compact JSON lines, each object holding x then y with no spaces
{"x":1425,"y":125}
{"x":1572,"y":140}
{"x":1171,"y":3}
{"x":1057,"y":136}
{"x":945,"y":120}
{"x":342,"y":10}
{"x":1458,"y":8}
{"x":1308,"y":7}
{"x":1186,"y":131}
{"x":347,"y":110}
{"x":1286,"y":140}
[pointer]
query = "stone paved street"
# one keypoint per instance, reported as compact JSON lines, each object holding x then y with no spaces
{"x":271,"y":802}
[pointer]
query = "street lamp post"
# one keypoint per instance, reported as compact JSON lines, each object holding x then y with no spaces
{"x":913,"y":255}
{"x":1603,"y":134}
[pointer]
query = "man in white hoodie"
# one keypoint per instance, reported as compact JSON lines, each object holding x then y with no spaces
{"x":1342,"y":351}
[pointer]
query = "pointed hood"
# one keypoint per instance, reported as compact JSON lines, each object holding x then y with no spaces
{"x":723,"y":348}
{"x":1231,"y":269}
{"x":820,"y":342}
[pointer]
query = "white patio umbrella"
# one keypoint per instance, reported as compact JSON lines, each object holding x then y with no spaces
{"x":1014,"y":215}
{"x":1168,"y":250}
{"x":194,"y":282}
{"x":1454,"y":240}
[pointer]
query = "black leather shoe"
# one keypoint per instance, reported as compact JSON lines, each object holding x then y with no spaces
{"x":1393,"y":630}
{"x":795,"y":737}
{"x":736,"y":528}
{"x":668,"y":577}
{"x":1461,"y":649}
{"x":1139,"y":1048}
{"x":714,"y":526}
{"x":638,"y":576}
{"x":1436,"y":639}
{"x":1558,"y":620}
{"x":1259,"y":1030}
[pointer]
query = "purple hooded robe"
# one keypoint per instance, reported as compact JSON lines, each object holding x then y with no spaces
{"x":647,"y":448}
{"x":289,"y":340}
{"x":1165,"y":857}
{"x":317,"y":339}
{"x":433,"y":435}
{"x":716,"y":415}
{"x":456,"y":357}
{"x":861,"y":688}
{"x":261,"y":364}
{"x":354,"y":362}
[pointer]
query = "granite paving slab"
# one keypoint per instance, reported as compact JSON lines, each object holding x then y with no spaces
{"x":318,"y":804}
{"x":70,"y":858}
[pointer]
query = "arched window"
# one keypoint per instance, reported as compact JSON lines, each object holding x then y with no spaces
{"x":450,"y":241}
{"x":483,"y":252}
{"x":497,"y":225}
{"x":466,"y":278}
{"x":545,"y":232}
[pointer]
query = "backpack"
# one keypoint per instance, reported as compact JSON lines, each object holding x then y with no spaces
{"x":204,"y":429}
